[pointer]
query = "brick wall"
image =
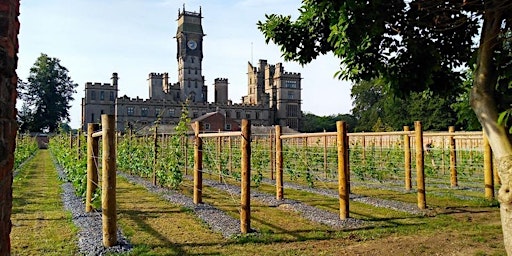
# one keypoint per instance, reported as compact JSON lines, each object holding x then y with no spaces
{"x":9,"y":27}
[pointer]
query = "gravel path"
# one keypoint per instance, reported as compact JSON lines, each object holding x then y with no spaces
{"x":309,"y":212}
{"x":90,"y":236}
{"x":389,"y":204}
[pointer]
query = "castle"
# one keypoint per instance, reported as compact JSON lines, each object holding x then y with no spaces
{"x":274,"y":96}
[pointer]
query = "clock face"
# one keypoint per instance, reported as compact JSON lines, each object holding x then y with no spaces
{"x":192,"y":44}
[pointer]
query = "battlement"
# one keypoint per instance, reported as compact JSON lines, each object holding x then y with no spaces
{"x":221,"y":80}
{"x":96,"y":84}
{"x":291,"y":73}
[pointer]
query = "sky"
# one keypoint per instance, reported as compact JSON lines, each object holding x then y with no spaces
{"x":95,"y":38}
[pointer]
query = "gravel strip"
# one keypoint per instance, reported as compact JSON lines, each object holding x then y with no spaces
{"x":90,"y":236}
{"x":390,"y":204}
{"x":309,"y":212}
{"x":216,"y":219}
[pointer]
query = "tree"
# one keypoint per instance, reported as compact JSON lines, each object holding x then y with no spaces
{"x":417,"y":45}
{"x":373,"y":102}
{"x":46,"y":96}
{"x":314,"y":123}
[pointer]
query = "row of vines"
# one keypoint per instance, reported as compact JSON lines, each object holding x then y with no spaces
{"x":26,"y":146}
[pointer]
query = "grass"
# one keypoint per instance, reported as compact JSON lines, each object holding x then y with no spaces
{"x":157,"y":227}
{"x":40,"y":225}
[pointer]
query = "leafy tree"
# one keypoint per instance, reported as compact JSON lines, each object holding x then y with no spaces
{"x":314,"y":123}
{"x":374,"y":103}
{"x":46,"y":96}
{"x":417,"y":45}
{"x":466,"y":117}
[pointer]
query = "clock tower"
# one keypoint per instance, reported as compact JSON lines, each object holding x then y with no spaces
{"x":189,"y":39}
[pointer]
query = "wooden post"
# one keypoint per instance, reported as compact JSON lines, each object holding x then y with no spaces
{"x":198,"y":166}
{"x":108,"y":195}
{"x":407,"y":160}
{"x":245,"y":213}
{"x":272,"y":154}
{"x":325,"y":155}
{"x":230,"y":155}
{"x":78,"y":144}
{"x":155,"y":154}
{"x":185,"y":138}
{"x":363,"y":139}
{"x":92,"y":167}
{"x":219,"y":152}
{"x":343,"y":191}
{"x":453,"y":158}
{"x":420,"y":172}
{"x":279,"y":164}
{"x":488,"y":175}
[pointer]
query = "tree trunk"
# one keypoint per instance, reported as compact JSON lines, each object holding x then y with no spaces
{"x":484,"y":105}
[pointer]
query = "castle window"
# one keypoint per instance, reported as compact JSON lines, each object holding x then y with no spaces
{"x":195,"y":115}
{"x":290,"y":84}
{"x":196,"y":71}
{"x":93,"y":95}
{"x":228,"y":127}
{"x":92,"y":118}
{"x":257,"y":115}
{"x":291,"y":95}
{"x":292,"y":111}
{"x":144,"y":111}
{"x":172,"y":112}
{"x":157,"y":112}
{"x":189,"y":71}
{"x":248,"y":115}
{"x":228,"y":114}
{"x":191,"y":60}
{"x":207,"y":126}
{"x":238,"y":115}
{"x":102,"y":112}
{"x":111,"y":96}
{"x":102,"y":95}
{"x":130,"y":111}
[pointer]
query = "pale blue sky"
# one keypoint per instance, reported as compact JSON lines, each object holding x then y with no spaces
{"x":94,"y":38}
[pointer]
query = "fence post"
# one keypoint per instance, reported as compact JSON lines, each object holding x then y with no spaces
{"x":245,"y":213}
{"x":279,"y":164}
{"x":343,"y":189}
{"x":92,"y":168}
{"x":272,"y":154}
{"x":453,"y":158}
{"x":78,"y":144}
{"x":325,"y":155}
{"x":108,"y":195}
{"x":219,"y":158}
{"x":155,"y":154}
{"x":488,"y":175}
{"x":198,"y":166}
{"x":420,"y":172}
{"x":407,"y":159}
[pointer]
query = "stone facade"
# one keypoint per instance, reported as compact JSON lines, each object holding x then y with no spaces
{"x":9,"y":28}
{"x":271,"y":100}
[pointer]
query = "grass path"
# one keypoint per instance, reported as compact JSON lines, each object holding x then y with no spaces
{"x":40,"y":225}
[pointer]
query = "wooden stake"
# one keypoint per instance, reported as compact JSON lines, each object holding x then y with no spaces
{"x":108,"y":195}
{"x":488,"y":175}
{"x":420,"y":172}
{"x":343,"y":188}
{"x":78,"y":144}
{"x":325,"y":155}
{"x":279,"y":164}
{"x":219,"y":152}
{"x":245,"y":213}
{"x":92,"y":167}
{"x":198,"y":166}
{"x":155,"y":154}
{"x":453,"y":158}
{"x":272,"y":154}
{"x":407,"y":160}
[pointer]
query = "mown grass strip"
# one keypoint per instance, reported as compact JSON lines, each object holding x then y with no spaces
{"x":41,"y":226}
